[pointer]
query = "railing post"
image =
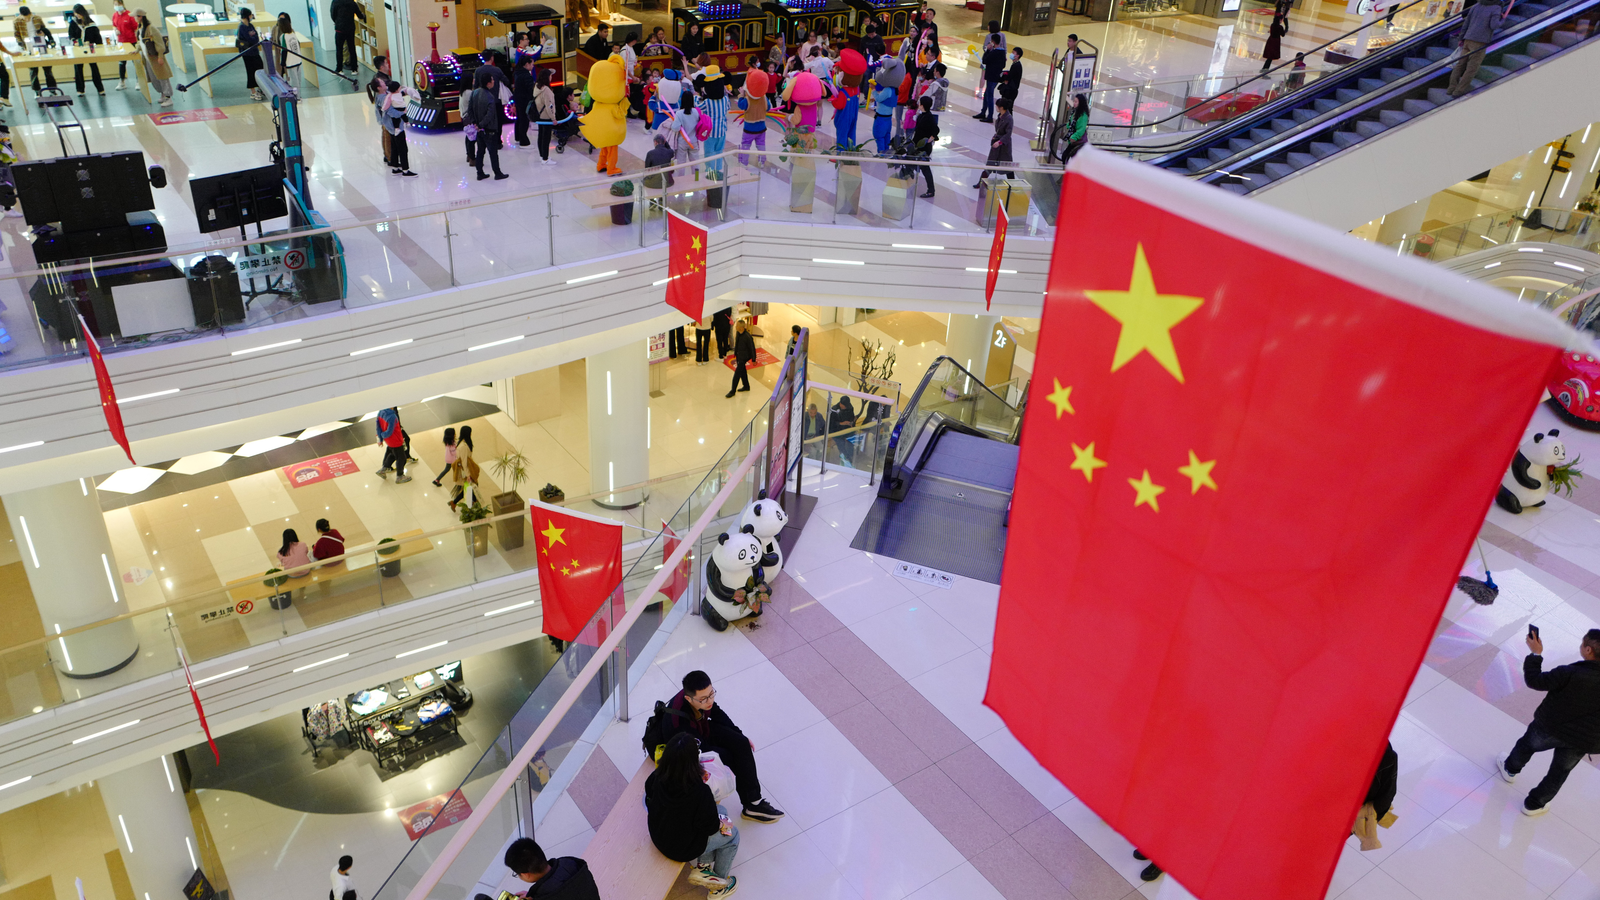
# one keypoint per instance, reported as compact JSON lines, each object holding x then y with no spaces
{"x":620,"y":660}
{"x":450,"y":249}
{"x":827,"y":439}
{"x":550,"y":226}
{"x":524,"y":799}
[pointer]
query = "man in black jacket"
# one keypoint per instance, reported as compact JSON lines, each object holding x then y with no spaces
{"x":484,"y":112}
{"x":562,"y":878}
{"x":744,"y":353}
{"x":1567,"y":720}
{"x":694,"y":709}
{"x":344,"y":13}
{"x":994,"y":70}
{"x":722,"y":324}
{"x":598,"y":46}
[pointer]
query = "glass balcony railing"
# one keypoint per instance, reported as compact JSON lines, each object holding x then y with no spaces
{"x":199,"y":289}
{"x":1566,"y":227}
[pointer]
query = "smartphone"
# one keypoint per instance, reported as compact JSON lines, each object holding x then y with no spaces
{"x":1533,"y":632}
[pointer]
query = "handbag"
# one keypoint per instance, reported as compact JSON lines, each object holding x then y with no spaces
{"x":702,"y":127}
{"x":719,"y":777}
{"x":471,"y":131}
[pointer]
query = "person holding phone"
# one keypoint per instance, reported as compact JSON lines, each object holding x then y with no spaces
{"x":562,"y":878}
{"x":1567,"y":720}
{"x":686,"y":823}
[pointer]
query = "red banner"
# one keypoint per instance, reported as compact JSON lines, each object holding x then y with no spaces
{"x":321,"y":469}
{"x":434,"y":813}
{"x":179,"y":116}
{"x":580,"y":564}
{"x":198,"y":709}
{"x":1217,"y":587}
{"x":679,"y":581}
{"x":108,"y":393}
{"x":997,"y":250}
{"x":686,"y":265}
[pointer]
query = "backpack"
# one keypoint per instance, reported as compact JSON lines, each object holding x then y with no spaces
{"x":655,"y":730}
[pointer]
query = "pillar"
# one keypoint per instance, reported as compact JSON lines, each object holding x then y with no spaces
{"x":619,"y":423}
{"x":531,"y":397}
{"x":1403,"y":222}
{"x":150,"y":818}
{"x":967,"y":341}
{"x":66,"y":553}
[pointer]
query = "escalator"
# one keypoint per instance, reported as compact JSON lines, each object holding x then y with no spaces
{"x":1345,"y":112}
{"x":947,"y":477}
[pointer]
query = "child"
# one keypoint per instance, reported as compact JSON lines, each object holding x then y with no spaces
{"x":685,"y":122}
{"x":937,"y":86}
{"x":773,"y":68}
{"x":654,"y":115}
{"x":394,"y":117}
{"x":753,"y":110}
{"x":569,"y":100}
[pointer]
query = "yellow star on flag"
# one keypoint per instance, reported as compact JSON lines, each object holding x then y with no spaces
{"x":565,"y":570}
{"x":574,"y":564}
{"x":553,"y":534}
{"x":1083,"y":460}
{"x":1062,"y":398}
{"x":1198,"y":473}
{"x":694,"y":242}
{"x":1147,"y":317}
{"x":1144,"y":491}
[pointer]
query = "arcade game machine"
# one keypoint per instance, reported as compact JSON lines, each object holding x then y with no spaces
{"x":441,"y":79}
{"x":795,"y":19}
{"x":543,"y":23}
{"x":898,"y":13}
{"x":732,"y":32}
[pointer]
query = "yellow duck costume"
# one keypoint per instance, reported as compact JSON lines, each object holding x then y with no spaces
{"x":606,"y":124}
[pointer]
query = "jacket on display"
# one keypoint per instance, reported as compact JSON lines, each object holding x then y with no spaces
{"x":1570,"y":711}
{"x":680,"y":823}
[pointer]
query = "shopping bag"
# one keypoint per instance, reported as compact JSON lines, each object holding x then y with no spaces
{"x":718,"y":776}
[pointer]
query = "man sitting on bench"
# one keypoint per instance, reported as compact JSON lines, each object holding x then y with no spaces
{"x":694,"y":709}
{"x":562,"y":878}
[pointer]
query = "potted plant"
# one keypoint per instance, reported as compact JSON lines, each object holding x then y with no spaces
{"x":469,"y":510}
{"x":388,"y":547}
{"x":847,"y":198}
{"x":276,"y":579}
{"x":622,"y":213}
{"x":510,"y":469}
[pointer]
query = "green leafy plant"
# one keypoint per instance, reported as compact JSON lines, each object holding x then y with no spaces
{"x":1563,"y":479}
{"x":622,"y":188}
{"x":471,"y":509}
{"x":510,"y":469}
{"x":859,"y":149}
{"x":274,"y":579}
{"x":388,"y":546}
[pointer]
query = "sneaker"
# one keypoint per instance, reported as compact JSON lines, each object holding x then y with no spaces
{"x":704,"y":877}
{"x":82,"y":94}
{"x":409,"y":174}
{"x":1150,"y":873}
{"x":1533,"y":811}
{"x":1506,"y":775}
{"x":927,"y":196}
{"x":712,"y":617}
{"x":4,"y":102}
{"x":549,"y":162}
{"x":762,"y":811}
{"x":733,"y":883}
{"x":394,"y":171}
{"x":165,"y":101}
{"x":402,"y":479}
{"x":729,"y":395}
{"x":385,"y":470}
{"x":121,"y":86}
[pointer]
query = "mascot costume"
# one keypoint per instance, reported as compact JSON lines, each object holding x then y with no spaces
{"x":735,"y":584}
{"x":606,"y":124}
{"x":885,"y":97}
{"x":665,"y":99}
{"x":753,"y":110}
{"x":712,"y":87}
{"x":847,"y":99}
{"x":804,"y":92}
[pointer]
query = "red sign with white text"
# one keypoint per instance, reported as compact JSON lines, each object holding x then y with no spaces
{"x":179,"y":116}
{"x":434,"y":813}
{"x":323,"y":469}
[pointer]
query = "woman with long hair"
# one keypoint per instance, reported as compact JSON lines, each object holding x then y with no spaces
{"x":449,"y":455}
{"x":154,"y":45}
{"x":247,"y":41}
{"x":463,"y":471}
{"x":294,"y":554}
{"x":288,"y":44}
{"x":686,"y":823}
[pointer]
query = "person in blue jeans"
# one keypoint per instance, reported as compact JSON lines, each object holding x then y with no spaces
{"x":1567,"y":720}
{"x":686,"y":823}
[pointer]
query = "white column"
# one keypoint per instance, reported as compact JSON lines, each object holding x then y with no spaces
{"x":619,"y":423}
{"x":150,"y":818}
{"x":1403,"y":222}
{"x":66,"y":553}
{"x":967,"y":341}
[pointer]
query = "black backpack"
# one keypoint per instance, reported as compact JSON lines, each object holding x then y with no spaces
{"x":655,"y":729}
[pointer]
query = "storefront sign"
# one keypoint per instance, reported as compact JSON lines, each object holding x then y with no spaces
{"x":434,"y":813}
{"x":226,"y":612}
{"x":324,"y":469}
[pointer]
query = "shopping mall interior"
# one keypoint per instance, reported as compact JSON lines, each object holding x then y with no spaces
{"x":181,"y":714}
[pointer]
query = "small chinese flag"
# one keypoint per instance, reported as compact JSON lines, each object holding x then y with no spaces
{"x":198,"y":709}
{"x":686,"y":266}
{"x":1257,"y":457}
{"x":108,"y":394}
{"x":580,"y":564}
{"x":679,"y":580}
{"x":997,"y":251}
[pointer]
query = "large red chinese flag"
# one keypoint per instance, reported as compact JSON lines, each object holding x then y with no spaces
{"x":679,"y":581}
{"x":108,"y":393}
{"x":997,"y":252}
{"x":686,"y":266}
{"x":580,"y":564}
{"x":1255,"y":457}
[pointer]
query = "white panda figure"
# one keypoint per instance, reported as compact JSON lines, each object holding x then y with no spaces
{"x":734,"y":565}
{"x":767,"y":518}
{"x":1528,"y":482}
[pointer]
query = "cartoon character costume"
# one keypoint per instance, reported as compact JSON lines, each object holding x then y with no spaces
{"x":847,"y":99}
{"x":712,"y":86}
{"x":753,"y":110}
{"x":803,"y":92}
{"x":606,"y":124}
{"x":665,"y":99}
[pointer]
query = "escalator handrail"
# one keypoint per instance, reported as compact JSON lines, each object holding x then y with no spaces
{"x":1523,"y":31}
{"x":1266,"y":72}
{"x":916,"y":400}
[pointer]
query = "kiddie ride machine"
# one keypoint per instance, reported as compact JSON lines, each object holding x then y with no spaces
{"x":443,"y":77}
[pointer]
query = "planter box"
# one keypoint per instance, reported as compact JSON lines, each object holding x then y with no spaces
{"x":508,"y":533}
{"x":895,"y":193}
{"x":391,"y":568}
{"x":848,"y":199}
{"x":478,"y":539}
{"x":281,"y":601}
{"x":802,"y":185}
{"x":622,"y":213}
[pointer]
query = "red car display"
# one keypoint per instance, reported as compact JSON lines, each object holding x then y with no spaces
{"x":1575,"y":390}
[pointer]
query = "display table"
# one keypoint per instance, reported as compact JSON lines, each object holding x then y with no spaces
{"x":178,"y":30}
{"x":256,"y":589}
{"x":70,"y":56}
{"x":397,"y":719}
{"x":207,"y":47}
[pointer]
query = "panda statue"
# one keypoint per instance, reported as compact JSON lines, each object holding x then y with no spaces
{"x":765,"y":518}
{"x":735,"y":584}
{"x":1528,"y":482}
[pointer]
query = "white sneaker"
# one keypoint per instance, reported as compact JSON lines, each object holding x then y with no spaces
{"x":1530,"y":813}
{"x":165,"y":101}
{"x":704,"y":877}
{"x":1505,"y":775}
{"x":733,"y":883}
{"x":122,"y":85}
{"x":549,"y":162}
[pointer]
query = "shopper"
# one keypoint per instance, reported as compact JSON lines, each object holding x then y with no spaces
{"x":27,"y":26}
{"x":344,"y":14}
{"x":1151,"y":872}
{"x":1077,"y":128}
{"x":523,"y":85}
{"x":999,"y":143}
{"x":1478,"y":27}
{"x":247,"y":40}
{"x":794,"y":338}
{"x":996,"y":34}
{"x":685,"y":127}
{"x":545,"y":114}
{"x":341,"y":876}
{"x":722,"y":324}
{"x":692,"y":44}
{"x":686,"y":823}
{"x":744,"y":353}
{"x":694,"y":710}
{"x":598,"y":46}
{"x":392,"y":437}
{"x":395,"y":105}
{"x":449,"y":455}
{"x":483,"y":114}
{"x":464,"y":471}
{"x":154,"y":44}
{"x":841,"y":424}
{"x":127,"y":29}
{"x":294,"y":557}
{"x":1272,"y":51}
{"x":288,"y":43}
{"x":1567,"y":720}
{"x":82,"y":30}
{"x":702,"y":340}
{"x":562,"y":878}
{"x":922,"y":140}
{"x":330,"y":542}
{"x":1011,"y":83}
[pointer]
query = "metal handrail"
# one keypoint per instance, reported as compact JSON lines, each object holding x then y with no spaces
{"x":916,"y":400}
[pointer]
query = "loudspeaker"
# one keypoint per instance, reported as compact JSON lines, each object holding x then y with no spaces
{"x":214,"y":292}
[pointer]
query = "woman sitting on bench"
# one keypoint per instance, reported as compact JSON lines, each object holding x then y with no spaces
{"x":686,"y":824}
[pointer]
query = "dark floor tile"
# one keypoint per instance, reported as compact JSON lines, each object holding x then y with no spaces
{"x":991,"y":787}
{"x":596,"y":787}
{"x":1017,"y":875}
{"x":1073,"y":863}
{"x":818,"y":680}
{"x":928,"y":728}
{"x":966,"y":826}
{"x":858,"y":663}
{"x":893,"y":754}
